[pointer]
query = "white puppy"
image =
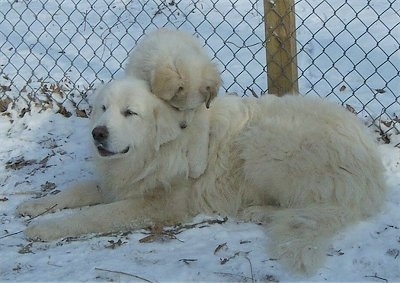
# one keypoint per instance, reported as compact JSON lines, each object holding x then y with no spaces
{"x":303,"y":167}
{"x":177,"y":69}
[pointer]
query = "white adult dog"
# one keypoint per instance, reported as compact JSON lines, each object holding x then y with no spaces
{"x":177,"y":69}
{"x":303,"y":167}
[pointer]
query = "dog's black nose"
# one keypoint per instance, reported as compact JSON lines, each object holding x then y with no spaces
{"x":100,"y":133}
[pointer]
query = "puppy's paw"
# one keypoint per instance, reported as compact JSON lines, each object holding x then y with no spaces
{"x":35,"y":207}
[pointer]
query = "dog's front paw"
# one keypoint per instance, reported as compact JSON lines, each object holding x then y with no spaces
{"x":43,"y":231}
{"x":35,"y":207}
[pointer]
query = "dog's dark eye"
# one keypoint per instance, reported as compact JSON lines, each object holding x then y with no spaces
{"x":128,"y":112}
{"x":103,"y":108}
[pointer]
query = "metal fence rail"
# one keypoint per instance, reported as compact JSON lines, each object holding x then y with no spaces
{"x":54,"y":52}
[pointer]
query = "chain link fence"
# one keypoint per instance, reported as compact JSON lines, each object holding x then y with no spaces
{"x":54,"y":53}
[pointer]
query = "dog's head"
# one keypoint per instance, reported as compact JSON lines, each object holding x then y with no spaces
{"x":128,"y":119}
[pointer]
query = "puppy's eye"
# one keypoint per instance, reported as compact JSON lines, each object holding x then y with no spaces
{"x":128,"y":112}
{"x":103,"y":108}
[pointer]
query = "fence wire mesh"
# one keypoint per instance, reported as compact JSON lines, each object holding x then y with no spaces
{"x":54,"y":53}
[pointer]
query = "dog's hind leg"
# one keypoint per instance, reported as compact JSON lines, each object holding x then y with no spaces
{"x":258,"y":213}
{"x":299,"y":237}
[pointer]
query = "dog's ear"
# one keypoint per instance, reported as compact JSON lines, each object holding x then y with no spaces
{"x":211,"y":81}
{"x":165,"y":81}
{"x":167,"y":126}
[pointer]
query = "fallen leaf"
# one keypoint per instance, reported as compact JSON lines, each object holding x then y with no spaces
{"x":114,"y":244}
{"x":18,"y":163}
{"x":221,"y":246}
{"x":351,"y":108}
{"x":5,"y":88}
{"x":164,"y":237}
{"x":188,"y":260}
{"x":393,"y":252}
{"x":63,"y":111}
{"x":23,"y":112}
{"x":48,"y":186}
{"x":387,"y":123}
{"x":81,"y":113}
{"x":44,"y":160}
{"x":26,"y":249}
{"x":4,"y":104}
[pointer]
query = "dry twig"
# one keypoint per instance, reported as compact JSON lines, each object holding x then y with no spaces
{"x":251,"y":269}
{"x":376,"y":276}
{"x":40,"y":214}
{"x":124,"y":273}
{"x":8,"y":235}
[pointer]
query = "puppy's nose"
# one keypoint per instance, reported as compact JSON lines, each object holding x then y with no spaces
{"x":100,"y":133}
{"x":183,"y":124}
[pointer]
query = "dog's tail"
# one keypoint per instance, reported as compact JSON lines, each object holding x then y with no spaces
{"x":299,"y":237}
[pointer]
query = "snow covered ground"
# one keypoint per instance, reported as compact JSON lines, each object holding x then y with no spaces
{"x":42,"y":152}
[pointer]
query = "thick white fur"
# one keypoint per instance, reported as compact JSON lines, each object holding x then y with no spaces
{"x":303,"y":167}
{"x":177,"y":69}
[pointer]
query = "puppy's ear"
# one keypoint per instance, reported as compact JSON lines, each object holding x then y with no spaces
{"x":165,"y":81}
{"x":167,"y":126}
{"x":211,"y":81}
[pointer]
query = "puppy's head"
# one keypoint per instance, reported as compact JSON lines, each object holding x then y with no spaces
{"x":167,"y":83}
{"x":186,"y":84}
{"x":199,"y":81}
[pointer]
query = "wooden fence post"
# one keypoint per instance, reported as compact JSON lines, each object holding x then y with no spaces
{"x":280,"y":38}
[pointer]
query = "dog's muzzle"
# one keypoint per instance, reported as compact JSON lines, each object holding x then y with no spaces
{"x":100,"y":135}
